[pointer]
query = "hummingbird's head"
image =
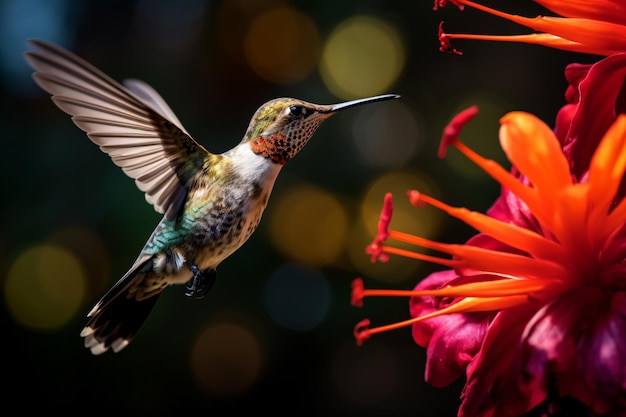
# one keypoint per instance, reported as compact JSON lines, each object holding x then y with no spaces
{"x":281,"y":127}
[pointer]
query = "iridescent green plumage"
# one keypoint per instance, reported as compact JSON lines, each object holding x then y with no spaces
{"x":211,"y":203}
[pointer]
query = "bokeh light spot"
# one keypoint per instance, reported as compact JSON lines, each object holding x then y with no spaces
{"x":363,"y":56}
{"x":386,"y":136}
{"x":309,"y":225}
{"x":282,"y":45}
{"x":297,"y":298}
{"x":45,"y":287}
{"x":226,"y":359}
{"x":423,"y":221}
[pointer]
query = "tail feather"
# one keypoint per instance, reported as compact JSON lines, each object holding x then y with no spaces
{"x":115,"y":325}
{"x":118,"y":316}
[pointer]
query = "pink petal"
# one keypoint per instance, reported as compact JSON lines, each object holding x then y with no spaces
{"x":451,"y":340}
{"x":602,"y":96}
{"x":453,"y":346}
{"x":576,"y":345}
{"x":419,"y":306}
{"x":509,"y":208}
{"x":481,"y":396}
{"x":597,"y":373}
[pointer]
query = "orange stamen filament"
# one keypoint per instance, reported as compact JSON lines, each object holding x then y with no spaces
{"x":597,"y":35}
{"x":466,"y":305}
{"x":539,"y":207}
{"x":478,"y":258}
{"x":543,"y":39}
{"x":483,"y":289}
{"x":416,"y":255}
{"x":517,"y":237}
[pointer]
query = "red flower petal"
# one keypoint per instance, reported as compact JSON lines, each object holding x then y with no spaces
{"x":577,"y":341}
{"x":494,"y":360}
{"x":602,"y":97}
{"x":451,"y":340}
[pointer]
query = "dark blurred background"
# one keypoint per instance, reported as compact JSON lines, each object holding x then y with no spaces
{"x":275,"y":333}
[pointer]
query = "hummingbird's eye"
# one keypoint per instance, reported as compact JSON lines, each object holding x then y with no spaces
{"x":297,"y":111}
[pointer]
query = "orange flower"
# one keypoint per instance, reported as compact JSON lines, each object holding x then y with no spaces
{"x":595,"y":27}
{"x":544,"y":282}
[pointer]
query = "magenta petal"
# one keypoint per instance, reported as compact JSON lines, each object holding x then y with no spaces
{"x":576,"y":342}
{"x":510,"y":209}
{"x":451,"y":340}
{"x":564,"y":121}
{"x":574,"y":74}
{"x":602,"y":97}
{"x":453,"y":346}
{"x":597,"y":375}
{"x":494,"y":361}
{"x":418,"y":306}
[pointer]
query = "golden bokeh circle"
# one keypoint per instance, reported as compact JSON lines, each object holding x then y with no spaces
{"x":309,"y":225}
{"x":363,"y":56}
{"x":45,"y":286}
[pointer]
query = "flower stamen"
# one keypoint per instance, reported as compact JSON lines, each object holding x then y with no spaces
{"x":444,"y":42}
{"x":375,"y":249}
{"x":453,"y":129}
{"x":583,"y":29}
{"x":485,"y":289}
{"x":518,"y":237}
{"x":362,"y":331}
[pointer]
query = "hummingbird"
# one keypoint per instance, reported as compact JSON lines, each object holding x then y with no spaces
{"x":211,"y":203}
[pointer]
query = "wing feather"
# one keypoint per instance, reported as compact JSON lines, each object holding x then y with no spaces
{"x":132,"y":124}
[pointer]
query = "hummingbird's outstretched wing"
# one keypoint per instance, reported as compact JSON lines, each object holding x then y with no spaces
{"x":132,"y":124}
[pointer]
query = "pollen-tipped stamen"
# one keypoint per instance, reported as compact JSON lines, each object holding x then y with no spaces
{"x":362,"y":331}
{"x":477,"y":258}
{"x":463,"y":256}
{"x":515,"y":236}
{"x":596,"y":36}
{"x":542,"y":39}
{"x":528,"y":195}
{"x":505,"y":287}
{"x":450,"y":137}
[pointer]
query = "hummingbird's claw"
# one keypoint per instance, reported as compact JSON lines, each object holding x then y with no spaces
{"x":201,"y":283}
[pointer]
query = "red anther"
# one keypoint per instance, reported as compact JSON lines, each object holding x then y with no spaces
{"x":442,"y":3}
{"x":453,"y":129}
{"x":376,"y":247}
{"x":376,"y":250}
{"x":362,"y":331}
{"x":385,"y":217}
{"x":415,"y":197}
{"x":358,"y":290}
{"x":444,"y":42}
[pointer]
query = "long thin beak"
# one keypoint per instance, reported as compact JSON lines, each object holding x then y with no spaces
{"x":341,"y":106}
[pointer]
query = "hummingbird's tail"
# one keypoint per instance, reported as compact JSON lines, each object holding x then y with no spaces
{"x":119,"y":315}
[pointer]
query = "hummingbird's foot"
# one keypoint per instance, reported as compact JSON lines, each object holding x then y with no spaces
{"x":201,"y":282}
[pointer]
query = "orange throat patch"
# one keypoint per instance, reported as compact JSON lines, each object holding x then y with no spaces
{"x":275,"y":147}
